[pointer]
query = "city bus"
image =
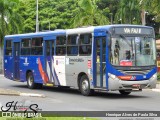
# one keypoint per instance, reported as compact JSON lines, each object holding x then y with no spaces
{"x":94,"y":58}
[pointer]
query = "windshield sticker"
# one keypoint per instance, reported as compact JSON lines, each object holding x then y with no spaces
{"x":137,"y":39}
{"x":125,"y":63}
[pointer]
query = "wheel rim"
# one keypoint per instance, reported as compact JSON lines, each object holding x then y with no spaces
{"x":85,"y":85}
{"x":30,"y":81}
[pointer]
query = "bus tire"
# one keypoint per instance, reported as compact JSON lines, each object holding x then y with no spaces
{"x":30,"y":81}
{"x":124,"y":92}
{"x":84,"y":86}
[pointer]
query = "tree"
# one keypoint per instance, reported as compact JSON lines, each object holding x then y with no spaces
{"x":53,"y":14}
{"x":152,"y":17}
{"x":9,"y":21}
{"x":88,"y":14}
{"x":128,"y":12}
{"x":108,"y":8}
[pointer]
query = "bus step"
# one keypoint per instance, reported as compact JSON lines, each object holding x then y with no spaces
{"x":100,"y":88}
{"x":17,"y":80}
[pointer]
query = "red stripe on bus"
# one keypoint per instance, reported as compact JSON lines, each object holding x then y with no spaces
{"x":43,"y":74}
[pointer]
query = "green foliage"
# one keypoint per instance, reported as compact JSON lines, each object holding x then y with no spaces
{"x":158,"y":76}
{"x":108,"y":8}
{"x":53,"y":118}
{"x":153,"y":7}
{"x":63,"y":14}
{"x":10,"y":20}
{"x":157,"y":36}
{"x":88,"y":13}
{"x":129,"y":12}
{"x":53,"y":14}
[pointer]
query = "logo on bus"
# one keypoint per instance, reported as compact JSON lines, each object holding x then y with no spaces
{"x":26,"y":62}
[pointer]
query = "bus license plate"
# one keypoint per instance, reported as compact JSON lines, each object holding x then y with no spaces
{"x":136,"y":85}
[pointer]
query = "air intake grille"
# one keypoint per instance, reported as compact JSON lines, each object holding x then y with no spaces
{"x":134,"y":72}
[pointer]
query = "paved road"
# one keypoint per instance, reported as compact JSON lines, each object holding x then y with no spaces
{"x":71,"y":100}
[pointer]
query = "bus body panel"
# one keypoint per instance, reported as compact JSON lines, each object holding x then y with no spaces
{"x":59,"y":70}
{"x":76,"y":65}
{"x":30,"y":63}
{"x":117,"y":84}
{"x":146,"y":80}
{"x":8,"y":67}
{"x":66,"y":70}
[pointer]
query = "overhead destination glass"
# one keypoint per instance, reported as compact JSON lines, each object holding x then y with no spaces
{"x":126,"y":50}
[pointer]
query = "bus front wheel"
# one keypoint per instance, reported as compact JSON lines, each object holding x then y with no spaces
{"x":123,"y":92}
{"x":85,"y":86}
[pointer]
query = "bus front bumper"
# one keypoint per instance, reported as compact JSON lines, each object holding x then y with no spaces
{"x":114,"y":83}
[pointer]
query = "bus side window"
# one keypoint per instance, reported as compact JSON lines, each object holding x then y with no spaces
{"x":37,"y":44}
{"x":61,"y":45}
{"x":8,"y":50}
{"x":85,"y":44}
{"x":72,"y":45}
{"x":25,"y":46}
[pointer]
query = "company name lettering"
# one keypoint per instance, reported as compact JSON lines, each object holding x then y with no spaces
{"x":76,"y":60}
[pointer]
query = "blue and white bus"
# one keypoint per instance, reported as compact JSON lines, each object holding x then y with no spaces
{"x":110,"y":57}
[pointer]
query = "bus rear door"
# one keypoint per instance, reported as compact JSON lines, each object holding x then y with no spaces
{"x":49,"y":53}
{"x":16,"y":54}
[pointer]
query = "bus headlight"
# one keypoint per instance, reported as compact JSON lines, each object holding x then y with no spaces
{"x":112,"y":76}
{"x":154,"y":76}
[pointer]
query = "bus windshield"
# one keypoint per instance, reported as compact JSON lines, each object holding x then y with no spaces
{"x":132,"y":51}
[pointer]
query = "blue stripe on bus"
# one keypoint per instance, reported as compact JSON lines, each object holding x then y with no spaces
{"x":94,"y":64}
{"x":107,"y":61}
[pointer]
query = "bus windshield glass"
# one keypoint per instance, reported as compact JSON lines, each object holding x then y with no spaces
{"x":132,"y":51}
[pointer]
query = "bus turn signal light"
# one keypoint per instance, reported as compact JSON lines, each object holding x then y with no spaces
{"x":127,"y":77}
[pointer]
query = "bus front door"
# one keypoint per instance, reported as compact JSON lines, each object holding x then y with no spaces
{"x":49,"y":52}
{"x":100,"y":66}
{"x":16,"y":60}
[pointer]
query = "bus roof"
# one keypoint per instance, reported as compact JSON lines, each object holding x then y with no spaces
{"x":80,"y":30}
{"x":38,"y":34}
{"x":107,"y":27}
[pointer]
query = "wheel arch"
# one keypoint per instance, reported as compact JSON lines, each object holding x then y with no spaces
{"x":79,"y":77}
{"x":28,"y":71}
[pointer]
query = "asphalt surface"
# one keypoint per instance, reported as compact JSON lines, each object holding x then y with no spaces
{"x":63,"y":99}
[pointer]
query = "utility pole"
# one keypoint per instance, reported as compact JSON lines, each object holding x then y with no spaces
{"x":111,"y":15}
{"x":143,"y":15}
{"x":37,"y":22}
{"x":49,"y":26}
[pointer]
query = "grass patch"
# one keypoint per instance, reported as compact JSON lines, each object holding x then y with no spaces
{"x":49,"y":118}
{"x":70,"y":118}
{"x":158,"y":76}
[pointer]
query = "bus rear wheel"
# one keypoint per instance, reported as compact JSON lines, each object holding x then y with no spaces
{"x":30,"y":82}
{"x":124,"y":92}
{"x":85,"y":86}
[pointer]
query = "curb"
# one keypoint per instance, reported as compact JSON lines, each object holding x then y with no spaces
{"x":17,"y":93}
{"x":156,"y":90}
{"x":31,"y":95}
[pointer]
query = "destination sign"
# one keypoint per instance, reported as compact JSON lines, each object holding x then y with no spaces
{"x":131,"y":30}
